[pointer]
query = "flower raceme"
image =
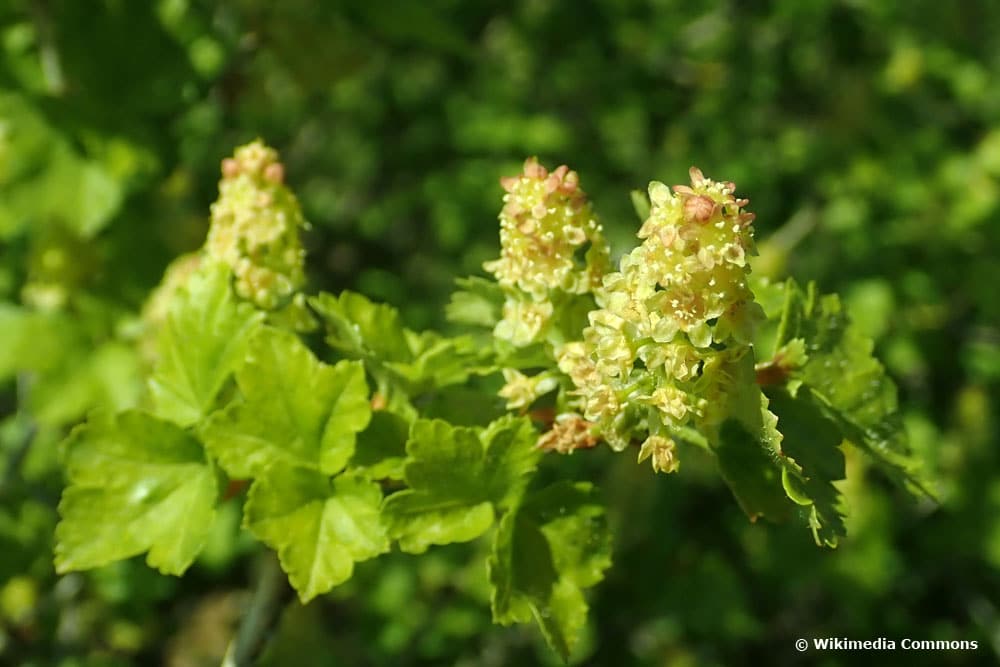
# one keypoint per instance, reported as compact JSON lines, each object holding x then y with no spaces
{"x":545,"y":222}
{"x":551,"y":245}
{"x":255,"y":227}
{"x":672,"y":323}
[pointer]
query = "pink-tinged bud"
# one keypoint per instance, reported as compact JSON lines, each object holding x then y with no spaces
{"x":699,"y":208}
{"x":544,"y":222}
{"x":275,"y":172}
{"x":255,"y":227}
{"x":569,"y":433}
{"x":230,"y":168}
{"x":697,"y":178}
{"x":534,"y":170}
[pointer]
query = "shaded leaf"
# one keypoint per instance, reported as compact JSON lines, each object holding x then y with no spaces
{"x":545,"y":553}
{"x":847,"y":382}
{"x":814,"y":442}
{"x":749,"y":449}
{"x":381,"y":448}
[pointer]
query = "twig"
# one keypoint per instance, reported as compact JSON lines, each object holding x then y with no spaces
{"x":55,"y":82}
{"x":17,"y":457}
{"x":268,"y":597}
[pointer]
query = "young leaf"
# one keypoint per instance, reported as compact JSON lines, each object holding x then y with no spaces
{"x":814,"y":443}
{"x":381,"y":448}
{"x":456,"y":477}
{"x":362,"y":329}
{"x":749,"y":449}
{"x":203,"y":341}
{"x":847,"y":382}
{"x":478,"y":302}
{"x":295,"y":409}
{"x":400,"y":360}
{"x":136,"y":483}
{"x":319,"y":528}
{"x":545,"y":553}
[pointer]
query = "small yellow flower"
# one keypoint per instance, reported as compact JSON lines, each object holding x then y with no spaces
{"x":662,"y":451}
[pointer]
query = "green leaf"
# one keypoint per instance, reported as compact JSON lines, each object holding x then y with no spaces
{"x":404,"y":363}
{"x":478,"y":302}
{"x":38,"y":341}
{"x":318,"y":527}
{"x":202,"y":342}
{"x":456,"y":476}
{"x":438,"y":361}
{"x":361,"y":328}
{"x":45,"y":161}
{"x":640,"y":202}
{"x":381,"y":448}
{"x":135,"y":483}
{"x":814,"y":442}
{"x":545,"y":553}
{"x":848,"y":383}
{"x":748,"y":449}
{"x":294,"y":409}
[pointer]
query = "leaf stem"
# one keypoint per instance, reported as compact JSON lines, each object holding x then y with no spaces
{"x":262,"y":615}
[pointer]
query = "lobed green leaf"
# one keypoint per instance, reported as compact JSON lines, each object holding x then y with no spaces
{"x":478,"y":302}
{"x":294,"y":409}
{"x":457,"y":475}
{"x":545,"y":553}
{"x":847,"y":383}
{"x":202,"y":343}
{"x":401,"y":360}
{"x":319,"y":527}
{"x":136,"y":484}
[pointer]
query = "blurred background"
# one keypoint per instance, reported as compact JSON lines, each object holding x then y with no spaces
{"x":865,"y":132}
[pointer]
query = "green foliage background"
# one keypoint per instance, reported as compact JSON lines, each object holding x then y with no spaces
{"x":866,"y":134}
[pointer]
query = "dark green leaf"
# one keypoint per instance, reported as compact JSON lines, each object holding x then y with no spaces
{"x":545,"y":553}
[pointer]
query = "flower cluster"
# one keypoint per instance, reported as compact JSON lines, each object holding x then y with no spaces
{"x":660,"y":350}
{"x":551,"y":246}
{"x":255,"y":227}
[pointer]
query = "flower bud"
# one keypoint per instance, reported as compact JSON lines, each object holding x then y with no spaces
{"x":255,"y":227}
{"x":549,"y":236}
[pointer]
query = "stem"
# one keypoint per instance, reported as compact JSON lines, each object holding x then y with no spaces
{"x":17,"y":457}
{"x":47,"y":50}
{"x":262,"y":615}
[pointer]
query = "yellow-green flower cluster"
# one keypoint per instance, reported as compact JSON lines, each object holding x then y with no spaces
{"x":255,"y":227}
{"x":659,"y":352}
{"x":551,"y":246}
